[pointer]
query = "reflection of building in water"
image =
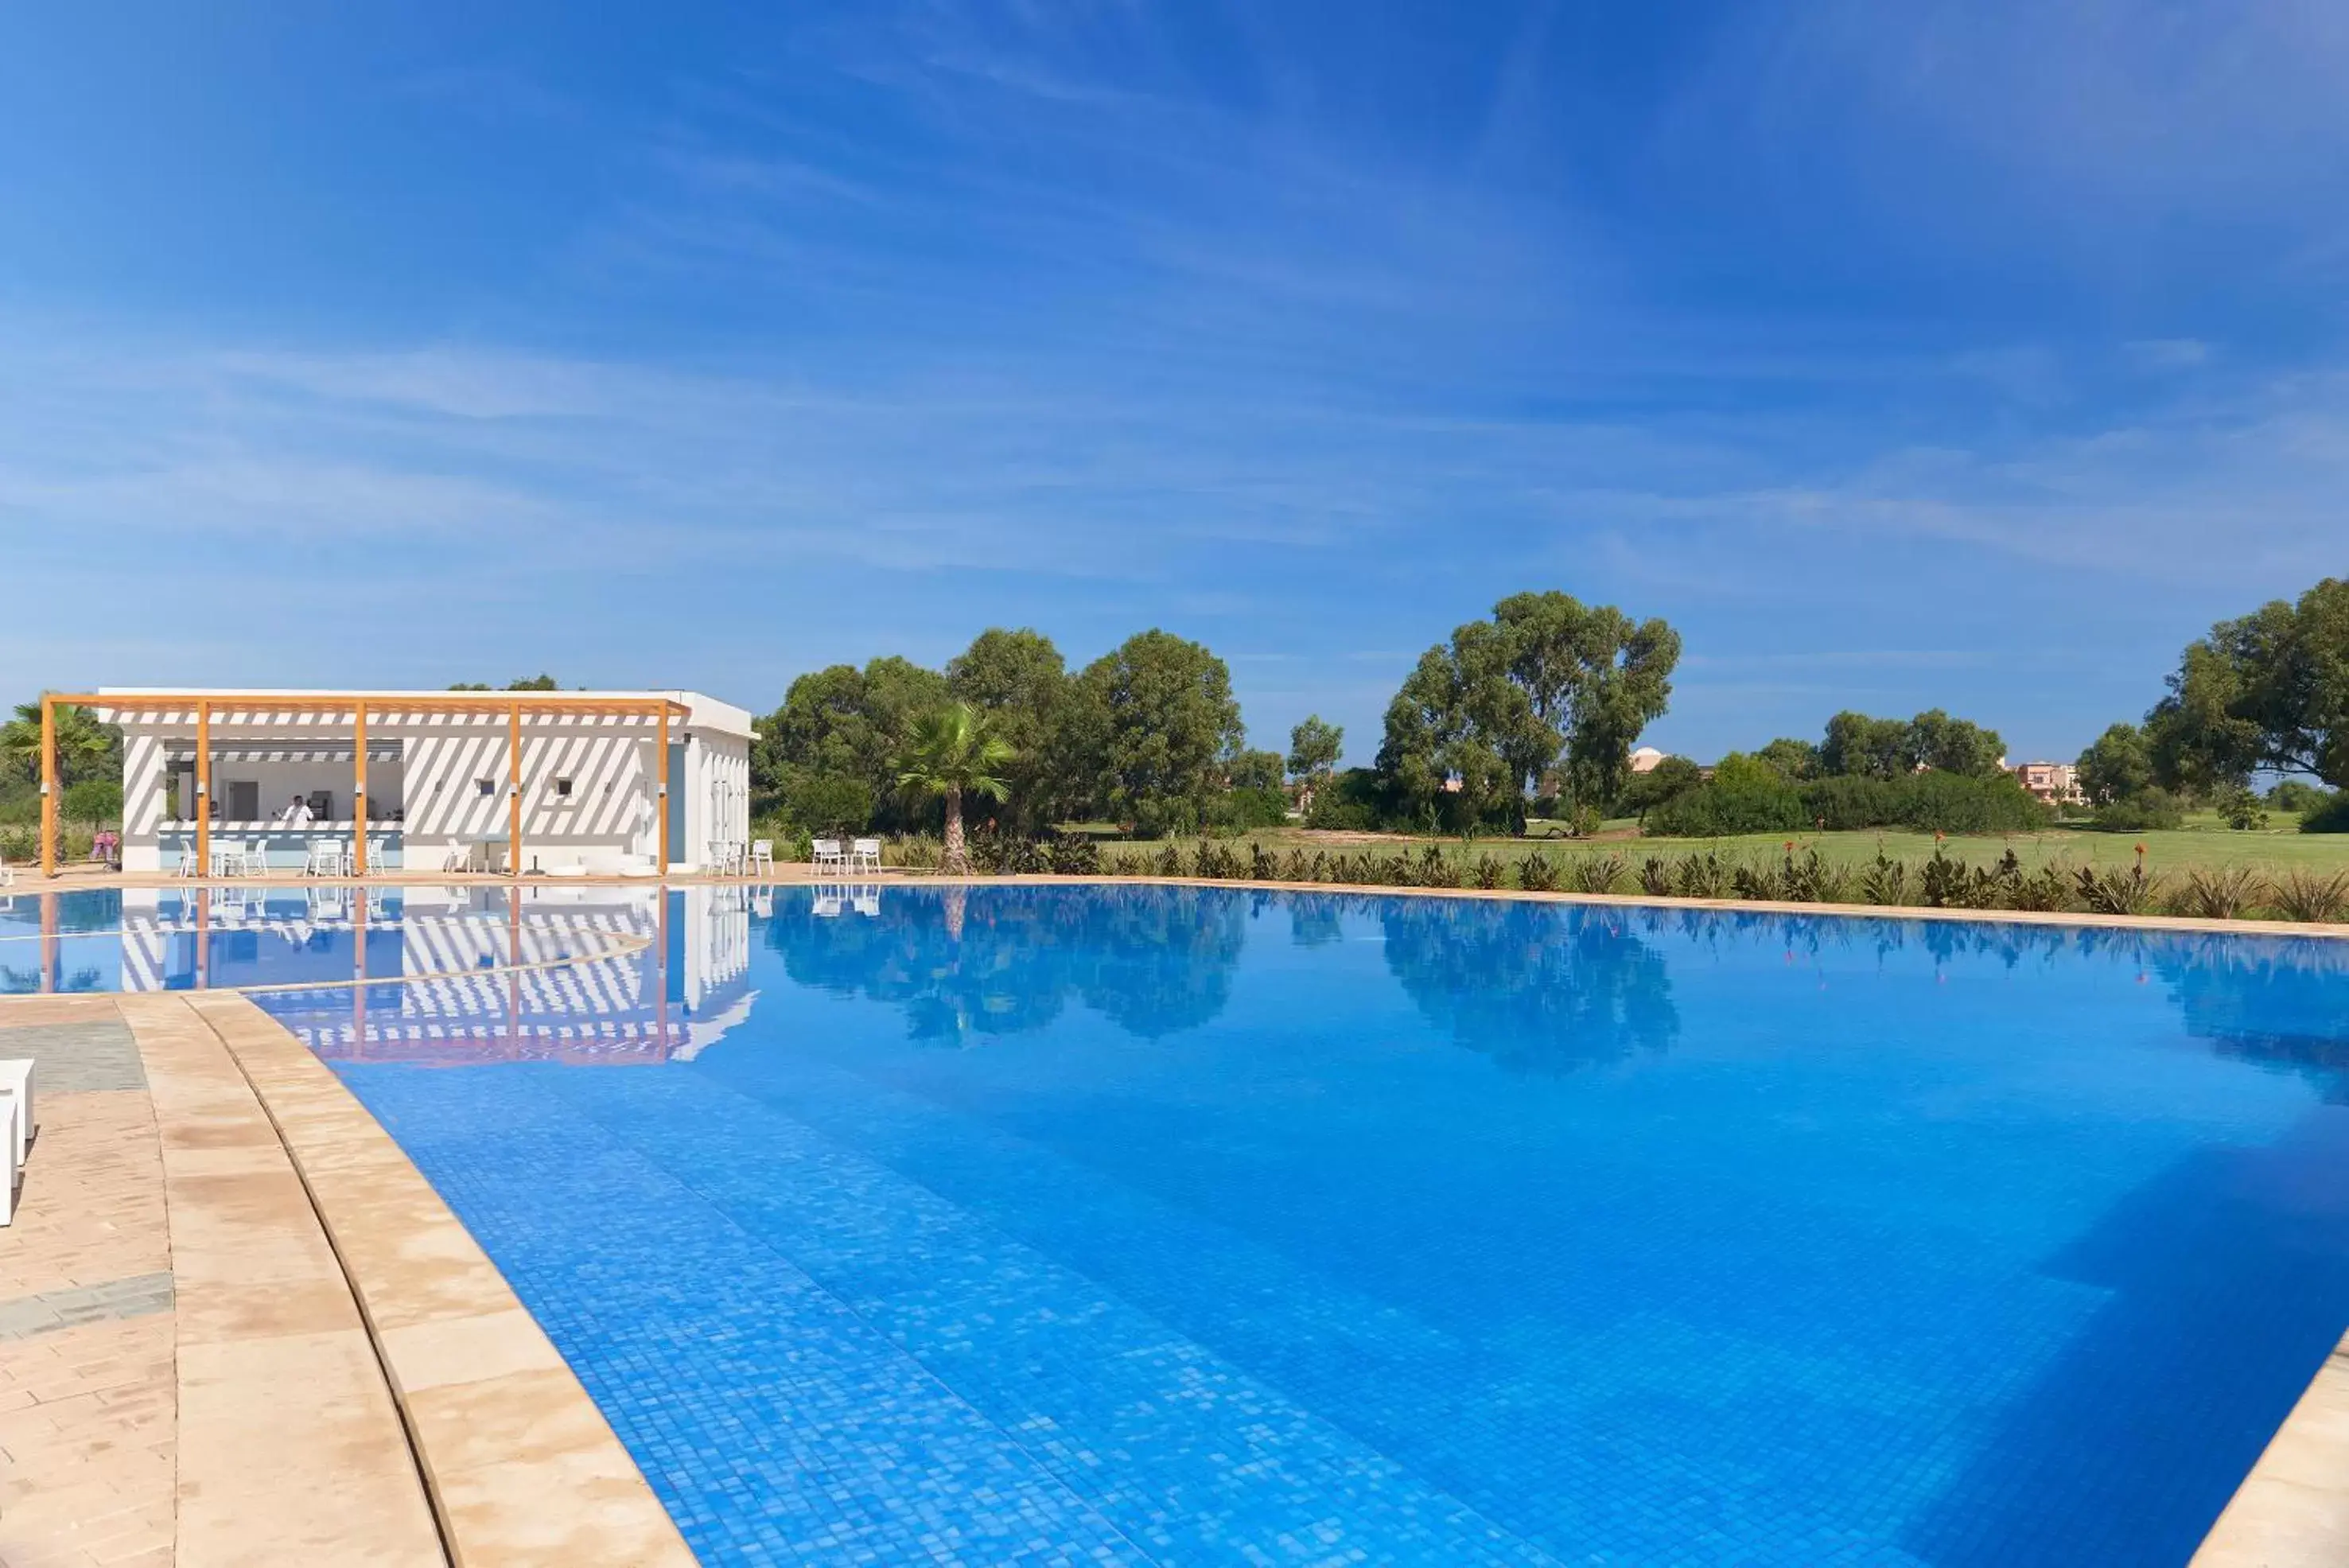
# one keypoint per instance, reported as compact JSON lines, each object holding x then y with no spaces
{"x":489,"y":974}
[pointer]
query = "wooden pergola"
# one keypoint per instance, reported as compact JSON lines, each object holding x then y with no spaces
{"x":512,"y":704}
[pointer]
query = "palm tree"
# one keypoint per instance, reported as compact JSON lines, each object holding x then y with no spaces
{"x":955,"y":751}
{"x":85,"y":746}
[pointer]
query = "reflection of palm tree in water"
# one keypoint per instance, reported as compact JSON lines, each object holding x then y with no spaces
{"x":965,"y":963}
{"x":1538,"y":987}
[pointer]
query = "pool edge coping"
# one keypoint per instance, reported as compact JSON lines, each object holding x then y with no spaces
{"x":519,"y":1461}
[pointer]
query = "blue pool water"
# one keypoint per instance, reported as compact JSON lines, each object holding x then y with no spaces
{"x":1146,"y":1225}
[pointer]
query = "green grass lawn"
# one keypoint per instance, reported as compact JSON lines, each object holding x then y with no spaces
{"x":2204,"y":841}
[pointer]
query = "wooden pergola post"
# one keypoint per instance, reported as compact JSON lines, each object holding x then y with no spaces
{"x":48,"y":787}
{"x":660,"y":800}
{"x":203,"y":788}
{"x":514,"y":789}
{"x":358,"y":791}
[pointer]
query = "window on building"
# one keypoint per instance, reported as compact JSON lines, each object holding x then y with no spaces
{"x":562,"y":789}
{"x":485,"y":788}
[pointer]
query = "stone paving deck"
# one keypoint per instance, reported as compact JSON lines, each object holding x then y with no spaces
{"x":89,"y":1437}
{"x":237,"y":1327}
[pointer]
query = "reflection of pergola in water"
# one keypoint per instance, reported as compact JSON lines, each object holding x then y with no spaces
{"x":545,"y":995}
{"x":358,"y":705}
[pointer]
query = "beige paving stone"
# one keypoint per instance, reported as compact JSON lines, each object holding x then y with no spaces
{"x":468,"y":1349}
{"x":495,"y":1445}
{"x":292,"y":1452}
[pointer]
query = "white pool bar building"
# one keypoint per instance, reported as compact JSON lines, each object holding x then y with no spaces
{"x":598,"y":784}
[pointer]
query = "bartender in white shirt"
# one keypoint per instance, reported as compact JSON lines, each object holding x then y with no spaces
{"x":296,"y":814}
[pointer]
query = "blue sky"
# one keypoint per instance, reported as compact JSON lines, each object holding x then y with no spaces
{"x":1968,"y":353}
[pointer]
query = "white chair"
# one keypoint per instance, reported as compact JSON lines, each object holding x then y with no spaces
{"x":189,"y":866}
{"x":865,"y":900}
{"x":15,"y":1129}
{"x":227,"y":855}
{"x":762,"y":856}
{"x":460,"y":857}
{"x":827,"y":855}
{"x":252,"y":859}
{"x":7,"y":873}
{"x":827,"y":905}
{"x":9,"y":1117}
{"x":16,"y":1086}
{"x":328,"y":857}
{"x":865,"y":855}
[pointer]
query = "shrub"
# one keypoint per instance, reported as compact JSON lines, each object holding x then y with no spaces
{"x":2332,"y":817}
{"x":1168,"y":862}
{"x":1489,"y":871}
{"x":1885,"y":881}
{"x":2217,"y":893}
{"x":1536,"y":873}
{"x":1743,"y":796}
{"x":1434,"y":869}
{"x":2118,"y":891}
{"x":1354,"y":801}
{"x":1813,"y":880}
{"x":2242,"y":809}
{"x":1705,"y":876}
{"x":1212,"y":861}
{"x":1391,"y":870}
{"x":1264,"y":866}
{"x":2144,"y":811}
{"x":997,"y":854}
{"x":1597,"y":873}
{"x":2047,"y":889}
{"x":913,"y":851}
{"x":2306,"y":894}
{"x":1933,"y":801}
{"x":2299,"y":796}
{"x":1072,"y":854}
{"x":1655,"y":876}
{"x":93,"y":801}
{"x":1246,"y":808}
{"x":1943,"y":883}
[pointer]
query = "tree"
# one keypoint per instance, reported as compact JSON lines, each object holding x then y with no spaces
{"x":85,"y":749}
{"x":1256,"y":770}
{"x":1858,"y":745}
{"x":1463,"y":740}
{"x":94,"y":801}
{"x":842,"y":723}
{"x":1594,"y":676}
{"x":1954,"y":745}
{"x":1797,"y":760}
{"x":529,"y":683}
{"x":1019,"y":680}
{"x":1314,"y":748}
{"x":1155,"y":723}
{"x":1672,"y":777}
{"x":2267,"y":692}
{"x":1480,"y":719}
{"x":954,"y":752}
{"x":2118,"y":766}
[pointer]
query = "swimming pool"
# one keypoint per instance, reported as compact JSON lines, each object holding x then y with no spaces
{"x":1136,"y":1224}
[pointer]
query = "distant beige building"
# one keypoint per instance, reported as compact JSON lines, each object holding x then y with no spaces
{"x":2057,"y":783}
{"x":1645,"y":759}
